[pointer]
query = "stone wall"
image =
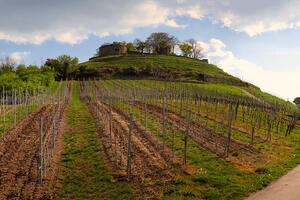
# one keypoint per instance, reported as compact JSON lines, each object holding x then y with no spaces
{"x":109,"y":50}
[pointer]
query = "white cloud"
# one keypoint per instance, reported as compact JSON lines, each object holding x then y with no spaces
{"x":38,"y":21}
{"x":71,"y":22}
{"x":282,"y":83}
{"x":252,"y":17}
{"x":191,"y":11}
{"x":19,"y":56}
{"x":172,"y":23}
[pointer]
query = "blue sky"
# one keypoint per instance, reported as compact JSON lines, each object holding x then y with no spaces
{"x":257,"y":41}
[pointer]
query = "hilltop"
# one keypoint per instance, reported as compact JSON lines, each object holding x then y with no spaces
{"x":160,"y":67}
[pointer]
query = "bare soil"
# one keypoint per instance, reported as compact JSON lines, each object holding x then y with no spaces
{"x":19,"y":156}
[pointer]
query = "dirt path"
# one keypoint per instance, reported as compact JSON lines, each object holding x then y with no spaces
{"x":287,"y":188}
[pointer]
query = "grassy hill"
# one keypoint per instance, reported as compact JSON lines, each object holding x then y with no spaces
{"x":161,"y":67}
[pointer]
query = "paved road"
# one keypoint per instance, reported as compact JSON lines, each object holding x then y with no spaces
{"x":254,"y":97}
{"x":285,"y":188}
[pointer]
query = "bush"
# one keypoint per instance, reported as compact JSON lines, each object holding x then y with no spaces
{"x":130,"y":71}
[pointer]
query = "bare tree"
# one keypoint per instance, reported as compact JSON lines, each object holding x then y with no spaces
{"x":197,"y":49}
{"x":139,"y":45}
{"x":198,"y":52}
{"x":7,"y":64}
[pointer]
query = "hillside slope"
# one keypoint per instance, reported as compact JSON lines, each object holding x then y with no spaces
{"x":161,"y":67}
{"x":172,"y":68}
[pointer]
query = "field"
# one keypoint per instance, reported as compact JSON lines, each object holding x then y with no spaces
{"x":144,"y":139}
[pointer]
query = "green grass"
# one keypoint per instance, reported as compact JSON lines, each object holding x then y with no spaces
{"x":187,"y":69}
{"x":216,"y":179}
{"x":84,"y":174}
{"x":272,"y":99}
{"x":178,"y":63}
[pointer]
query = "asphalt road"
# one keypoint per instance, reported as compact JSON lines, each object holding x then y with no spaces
{"x":285,"y":188}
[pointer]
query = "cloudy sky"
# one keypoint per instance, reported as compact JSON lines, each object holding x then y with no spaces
{"x":257,"y":40}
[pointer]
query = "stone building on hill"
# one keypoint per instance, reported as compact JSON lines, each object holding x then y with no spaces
{"x":112,"y":49}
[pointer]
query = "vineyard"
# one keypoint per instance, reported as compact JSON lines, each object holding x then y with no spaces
{"x":143,"y":139}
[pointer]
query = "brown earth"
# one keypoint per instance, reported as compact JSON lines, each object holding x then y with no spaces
{"x":19,"y":156}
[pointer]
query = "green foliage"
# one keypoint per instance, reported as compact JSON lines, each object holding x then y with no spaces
{"x":62,"y":65}
{"x":11,"y":80}
{"x":161,"y":42}
{"x":130,"y":46}
{"x":186,"y":49}
{"x":140,"y":45}
{"x":20,"y":69}
{"x":7,"y":64}
{"x":119,"y":43}
{"x":67,"y":59}
{"x":27,"y":77}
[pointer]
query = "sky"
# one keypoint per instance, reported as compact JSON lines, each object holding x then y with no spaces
{"x":257,"y":41}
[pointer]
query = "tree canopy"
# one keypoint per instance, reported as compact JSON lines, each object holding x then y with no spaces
{"x":62,"y":65}
{"x":161,"y":42}
{"x":22,"y":76}
{"x":186,"y":49}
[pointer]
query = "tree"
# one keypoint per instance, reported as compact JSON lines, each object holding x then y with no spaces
{"x":197,"y":49}
{"x":7,"y":64}
{"x":198,"y":53}
{"x":130,"y":46}
{"x":186,"y":49}
{"x":21,"y":69}
{"x":161,"y":43}
{"x":297,"y":101}
{"x":139,"y":45}
{"x":67,"y":59}
{"x":119,"y":43}
{"x":62,"y":65}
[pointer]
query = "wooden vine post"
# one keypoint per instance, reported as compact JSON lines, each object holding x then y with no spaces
{"x":40,"y":164}
{"x":15,"y":108}
{"x":110,"y":122}
{"x":129,"y":148}
{"x":230,"y":116}
{"x":164,"y":125}
{"x":4,"y":106}
{"x":188,"y":118}
{"x":145,"y":98}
